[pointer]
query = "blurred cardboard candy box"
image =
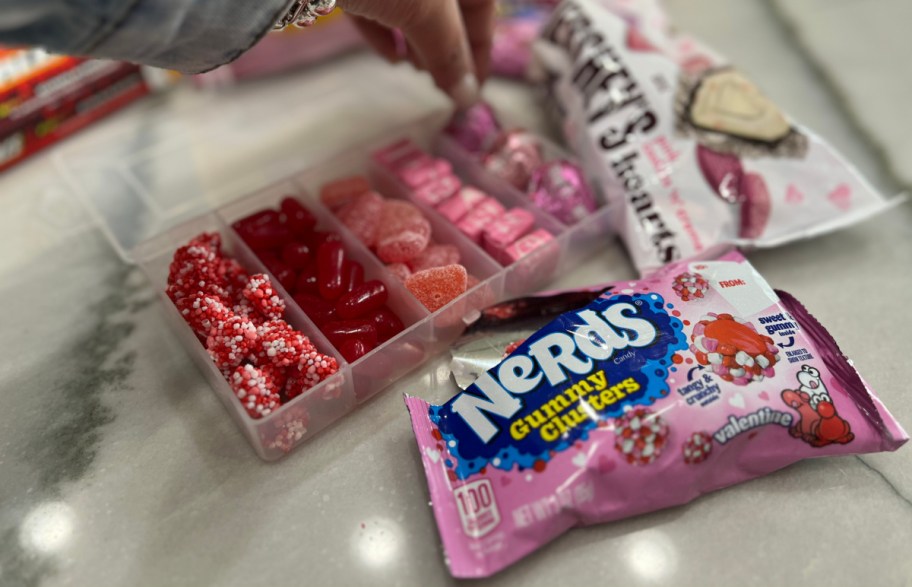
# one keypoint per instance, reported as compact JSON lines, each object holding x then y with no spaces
{"x":45,"y":98}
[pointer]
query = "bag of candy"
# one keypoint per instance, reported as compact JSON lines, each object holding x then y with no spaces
{"x":693,"y":151}
{"x":660,"y":390}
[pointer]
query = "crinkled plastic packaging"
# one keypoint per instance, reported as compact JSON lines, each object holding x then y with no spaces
{"x":696,"y":153}
{"x":660,"y":390}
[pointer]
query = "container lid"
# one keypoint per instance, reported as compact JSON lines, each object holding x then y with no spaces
{"x":180,"y":154}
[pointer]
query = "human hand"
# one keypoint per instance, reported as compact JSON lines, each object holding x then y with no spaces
{"x":450,"y":39}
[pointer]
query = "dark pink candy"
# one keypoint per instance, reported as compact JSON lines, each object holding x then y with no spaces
{"x":474,"y":129}
{"x":560,"y":189}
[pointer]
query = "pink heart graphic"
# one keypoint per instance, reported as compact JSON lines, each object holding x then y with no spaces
{"x":793,"y":195}
{"x":764,"y":396}
{"x":605,"y":465}
{"x":841,"y":197}
{"x":504,"y":481}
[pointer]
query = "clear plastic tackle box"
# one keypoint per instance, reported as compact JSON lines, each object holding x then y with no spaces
{"x":164,"y":173}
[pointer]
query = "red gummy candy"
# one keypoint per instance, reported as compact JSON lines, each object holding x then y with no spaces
{"x":307,"y":280}
{"x":362,"y":216}
{"x":296,"y":255}
{"x":316,"y":308}
{"x":263,"y":230}
{"x":363,"y":299}
{"x":342,"y":191}
{"x":318,"y":237}
{"x":353,"y":349}
{"x":439,"y":286}
{"x":352,"y":275}
{"x":387,"y":324}
{"x":341,"y":330}
{"x":296,"y":217}
{"x":435,"y":256}
{"x":287,"y":277}
{"x":263,"y":297}
{"x":330,"y":262}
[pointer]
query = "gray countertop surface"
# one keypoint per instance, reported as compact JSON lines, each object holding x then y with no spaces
{"x":118,"y":465}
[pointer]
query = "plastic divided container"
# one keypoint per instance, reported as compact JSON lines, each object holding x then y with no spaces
{"x":174,"y":207}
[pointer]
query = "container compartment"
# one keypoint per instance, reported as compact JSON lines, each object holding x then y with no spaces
{"x":292,"y":423}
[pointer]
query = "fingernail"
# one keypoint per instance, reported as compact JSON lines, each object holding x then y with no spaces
{"x":465,"y":93}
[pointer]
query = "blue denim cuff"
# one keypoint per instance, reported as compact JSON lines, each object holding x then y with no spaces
{"x":192,"y":36}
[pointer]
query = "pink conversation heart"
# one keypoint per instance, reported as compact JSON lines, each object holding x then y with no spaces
{"x":764,"y":396}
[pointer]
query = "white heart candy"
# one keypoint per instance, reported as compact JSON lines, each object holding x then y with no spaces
{"x":737,"y":400}
{"x":580,"y":460}
{"x":433,"y":454}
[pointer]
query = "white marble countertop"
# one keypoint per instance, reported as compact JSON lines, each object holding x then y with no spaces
{"x":118,"y":466}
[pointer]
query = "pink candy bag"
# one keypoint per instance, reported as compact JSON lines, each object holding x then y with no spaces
{"x":660,"y":390}
{"x":689,"y":148}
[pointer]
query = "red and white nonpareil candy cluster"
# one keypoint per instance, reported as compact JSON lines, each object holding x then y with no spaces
{"x":506,"y":234}
{"x":314,"y":267}
{"x":733,"y":349}
{"x":697,"y":447}
{"x":400,"y":235}
{"x":640,"y":436}
{"x":690,"y":286}
{"x":552,"y":182}
{"x":240,"y":320}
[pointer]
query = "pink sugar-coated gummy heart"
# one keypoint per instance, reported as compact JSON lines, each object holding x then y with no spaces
{"x":435,"y":256}
{"x":474,"y":223}
{"x":722,"y":171}
{"x":362,"y":216}
{"x":526,"y":245}
{"x":340,"y":192}
{"x":755,"y":209}
{"x":506,"y":229}
{"x":458,"y":205}
{"x":439,"y":286}
{"x":398,"y":216}
{"x":438,"y":190}
{"x":400,"y":270}
{"x":402,"y":247}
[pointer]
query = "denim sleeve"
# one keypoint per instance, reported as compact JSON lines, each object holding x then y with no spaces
{"x":192,"y":36}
